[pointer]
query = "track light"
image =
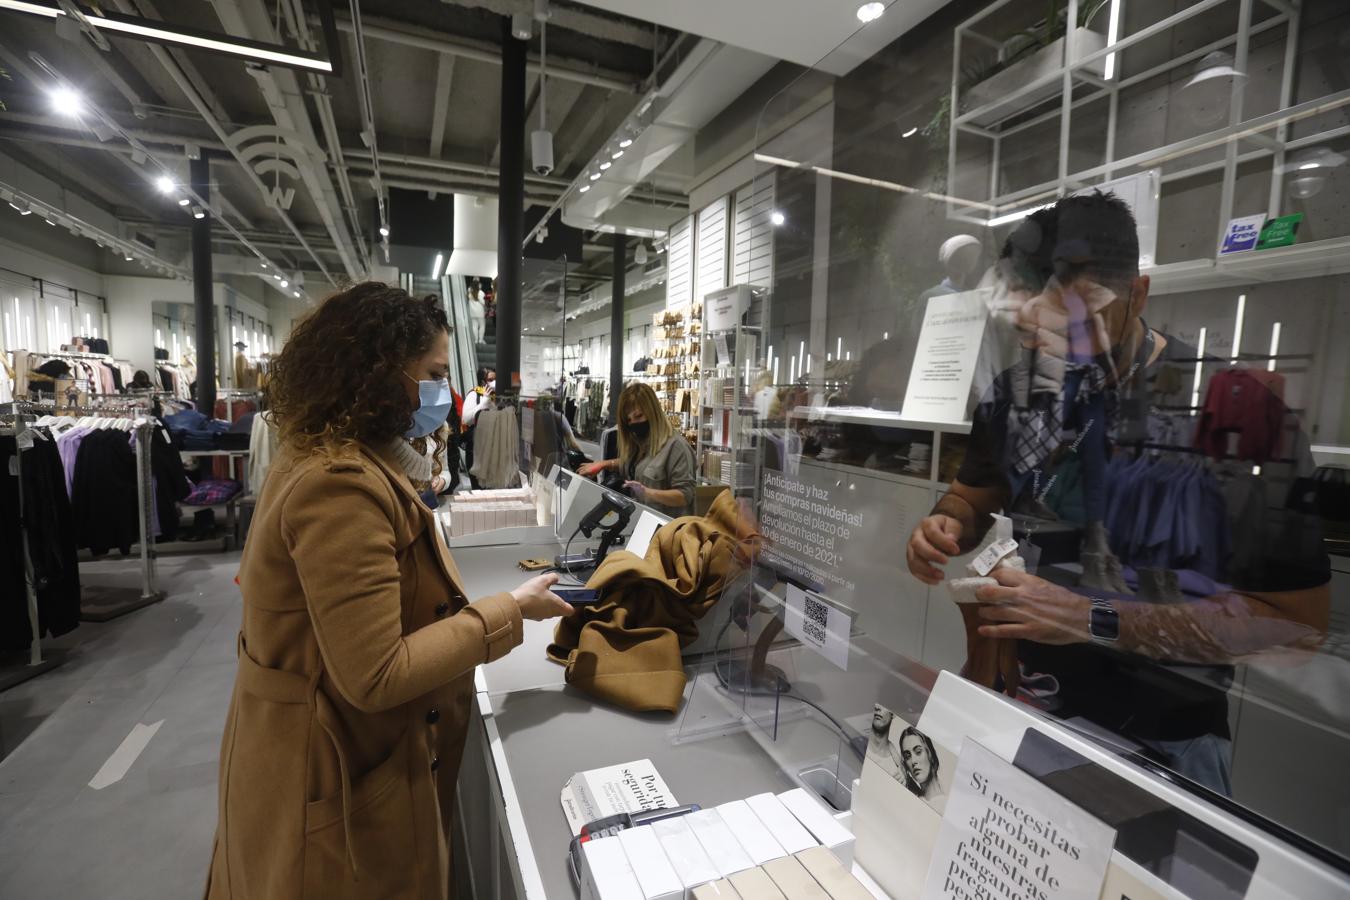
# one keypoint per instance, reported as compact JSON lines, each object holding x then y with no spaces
{"x":296,"y":294}
{"x":384,"y":231}
{"x":198,"y":212}
{"x":617,"y":154}
{"x":165,"y":184}
{"x":127,"y":258}
{"x":584,"y":188}
{"x":604,"y":166}
{"x":264,"y":265}
{"x":285,"y":283}
{"x":595,"y":176}
{"x":183,"y":201}
{"x":626,"y":143}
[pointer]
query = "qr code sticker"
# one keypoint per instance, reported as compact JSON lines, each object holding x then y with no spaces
{"x":817,"y":614}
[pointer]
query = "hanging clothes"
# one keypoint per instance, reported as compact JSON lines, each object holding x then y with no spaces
{"x":104,"y":496}
{"x":496,"y":448}
{"x":1246,"y":402}
{"x":51,"y":544}
{"x":262,"y":448}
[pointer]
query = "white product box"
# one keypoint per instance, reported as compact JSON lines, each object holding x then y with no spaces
{"x":818,"y":820}
{"x":685,"y":853}
{"x":655,"y":875}
{"x":783,"y":825}
{"x":756,"y":839}
{"x":607,"y":874}
{"x":718,"y":842}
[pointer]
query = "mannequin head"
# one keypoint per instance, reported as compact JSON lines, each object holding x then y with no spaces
{"x":960,"y":259}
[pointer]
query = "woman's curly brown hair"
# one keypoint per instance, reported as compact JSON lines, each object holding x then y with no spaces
{"x":339,"y":378}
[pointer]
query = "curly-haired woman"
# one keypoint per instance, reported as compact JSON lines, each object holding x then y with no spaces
{"x":358,"y":645}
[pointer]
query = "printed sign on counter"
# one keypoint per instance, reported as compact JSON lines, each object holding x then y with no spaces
{"x":949,"y":346}
{"x":816,"y":623}
{"x":1005,"y":835}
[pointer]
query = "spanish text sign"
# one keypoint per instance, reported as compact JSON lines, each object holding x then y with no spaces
{"x":1005,"y":836}
{"x":949,"y":346}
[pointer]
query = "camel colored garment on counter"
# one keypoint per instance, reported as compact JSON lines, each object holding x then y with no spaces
{"x":626,"y":648}
{"x":351,"y":705}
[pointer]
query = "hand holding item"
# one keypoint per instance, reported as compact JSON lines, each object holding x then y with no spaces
{"x":538,"y":602}
{"x":637,"y":490}
{"x":591,"y":469}
{"x":933,"y":542}
{"x":1028,"y":608}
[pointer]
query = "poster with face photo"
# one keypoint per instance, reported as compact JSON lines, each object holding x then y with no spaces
{"x":910,"y":757}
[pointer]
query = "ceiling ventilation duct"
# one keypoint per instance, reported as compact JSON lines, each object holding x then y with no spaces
{"x":475,"y":239}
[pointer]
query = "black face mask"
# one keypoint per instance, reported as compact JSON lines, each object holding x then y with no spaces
{"x":640,"y":430}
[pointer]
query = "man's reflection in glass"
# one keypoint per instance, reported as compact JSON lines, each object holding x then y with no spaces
{"x":1143,"y":647}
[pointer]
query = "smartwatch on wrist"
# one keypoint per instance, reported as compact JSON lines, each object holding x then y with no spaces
{"x":1103,"y":622}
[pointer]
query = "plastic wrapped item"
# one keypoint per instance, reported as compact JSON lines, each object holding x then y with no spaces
{"x":998,"y":550}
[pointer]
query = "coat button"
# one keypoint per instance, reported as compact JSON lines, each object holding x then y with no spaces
{"x":433,"y":717}
{"x":442,"y":610}
{"x":435,"y":763}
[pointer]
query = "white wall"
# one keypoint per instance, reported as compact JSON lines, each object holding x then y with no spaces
{"x":129,"y":308}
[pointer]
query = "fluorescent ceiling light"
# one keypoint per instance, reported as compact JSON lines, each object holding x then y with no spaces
{"x":913,"y":131}
{"x":163,"y":182}
{"x":145,"y":28}
{"x":870,"y":12}
{"x":605,"y":165}
{"x":67,"y":101}
{"x":617,"y":154}
{"x":436,"y":266}
{"x":626,"y":143}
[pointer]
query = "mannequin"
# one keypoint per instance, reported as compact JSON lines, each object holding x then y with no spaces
{"x":477,"y":315}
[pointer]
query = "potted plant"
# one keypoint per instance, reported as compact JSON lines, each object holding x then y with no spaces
{"x":1028,"y":56}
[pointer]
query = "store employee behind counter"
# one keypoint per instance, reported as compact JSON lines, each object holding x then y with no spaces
{"x":656,"y":461}
{"x":1152,"y":661}
{"x":358,"y":646}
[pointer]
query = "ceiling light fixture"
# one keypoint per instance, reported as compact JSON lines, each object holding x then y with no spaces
{"x":604,"y":166}
{"x":913,"y":131}
{"x":67,"y":101}
{"x":870,"y":12}
{"x":165,"y":184}
{"x":153,"y":31}
{"x":285,"y":283}
{"x":384,"y":231}
{"x":617,"y":154}
{"x":127,"y":258}
{"x":626,"y":143}
{"x":595,"y":176}
{"x":436,"y":266}
{"x":264,"y":265}
{"x":296,"y":294}
{"x":777,"y":218}
{"x":198,"y":212}
{"x":183,"y":201}
{"x":584,"y":188}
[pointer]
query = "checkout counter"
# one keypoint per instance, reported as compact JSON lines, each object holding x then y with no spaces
{"x":802,"y":725}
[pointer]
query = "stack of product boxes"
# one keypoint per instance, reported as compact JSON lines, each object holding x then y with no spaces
{"x":475,"y":511}
{"x":766,"y":847}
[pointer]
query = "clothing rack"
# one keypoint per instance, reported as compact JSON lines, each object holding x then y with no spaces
{"x":20,"y":412}
{"x":144,"y":432}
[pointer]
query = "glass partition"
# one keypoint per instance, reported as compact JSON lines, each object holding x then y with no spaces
{"x":1054,"y":395}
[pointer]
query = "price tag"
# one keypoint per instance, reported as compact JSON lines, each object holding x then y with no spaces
{"x":990,"y":556}
{"x":25,"y":439}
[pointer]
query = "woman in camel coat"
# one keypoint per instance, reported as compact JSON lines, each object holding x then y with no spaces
{"x":358,"y":645}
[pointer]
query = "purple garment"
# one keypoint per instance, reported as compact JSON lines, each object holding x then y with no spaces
{"x":68,"y":446}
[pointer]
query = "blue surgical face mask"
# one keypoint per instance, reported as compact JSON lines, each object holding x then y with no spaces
{"x":434,"y":404}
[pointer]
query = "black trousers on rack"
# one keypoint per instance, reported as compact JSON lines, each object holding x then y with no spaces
{"x":51,"y":541}
{"x":104,"y":493}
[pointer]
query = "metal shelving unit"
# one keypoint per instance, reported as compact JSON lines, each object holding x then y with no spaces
{"x":1083,"y":78}
{"x":730,"y":417}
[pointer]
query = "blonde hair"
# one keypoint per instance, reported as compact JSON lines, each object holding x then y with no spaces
{"x":640,"y":396}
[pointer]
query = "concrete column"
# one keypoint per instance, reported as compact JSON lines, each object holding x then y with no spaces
{"x":616,"y":325}
{"x":510,"y":211}
{"x":202,"y":289}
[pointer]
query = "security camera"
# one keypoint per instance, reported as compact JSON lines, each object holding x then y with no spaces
{"x":541,"y":152}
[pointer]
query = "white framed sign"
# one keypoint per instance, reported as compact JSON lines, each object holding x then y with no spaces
{"x":949,"y":347}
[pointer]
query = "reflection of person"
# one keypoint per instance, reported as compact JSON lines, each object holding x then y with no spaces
{"x":478,"y":399}
{"x":1069,"y":287}
{"x":879,"y":746}
{"x":656,"y":461}
{"x":477,"y":315}
{"x":141,"y":381}
{"x":920,"y":763}
{"x":358,"y":647}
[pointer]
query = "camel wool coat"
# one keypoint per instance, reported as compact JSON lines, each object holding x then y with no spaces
{"x":350,"y":708}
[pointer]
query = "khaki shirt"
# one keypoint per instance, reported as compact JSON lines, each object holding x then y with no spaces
{"x":670,"y":468}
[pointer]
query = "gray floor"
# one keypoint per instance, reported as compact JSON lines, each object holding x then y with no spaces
{"x":147,"y":836}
